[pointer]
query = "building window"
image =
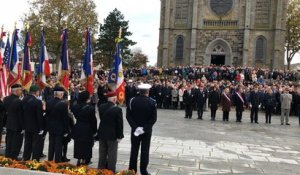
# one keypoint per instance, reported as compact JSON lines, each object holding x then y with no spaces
{"x":260,"y":51}
{"x":179,"y":48}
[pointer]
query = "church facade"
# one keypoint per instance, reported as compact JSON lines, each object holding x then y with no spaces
{"x":222,"y":32}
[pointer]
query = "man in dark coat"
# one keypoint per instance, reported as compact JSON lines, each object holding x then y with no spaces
{"x":85,"y":129}
{"x":110,"y":132}
{"x":102,"y":89}
{"x":166,"y":92}
{"x":57,"y":124}
{"x":188,"y":99}
{"x":159,"y":95}
{"x":213,"y":102}
{"x":33,"y":124}
{"x":201,"y":100}
{"x":254,"y":101}
{"x":239,"y":101}
{"x":141,"y":116}
{"x":14,"y":122}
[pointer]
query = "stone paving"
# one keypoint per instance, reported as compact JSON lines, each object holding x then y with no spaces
{"x":192,"y":147}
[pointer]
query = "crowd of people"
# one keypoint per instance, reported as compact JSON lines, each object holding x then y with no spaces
{"x":65,"y":116}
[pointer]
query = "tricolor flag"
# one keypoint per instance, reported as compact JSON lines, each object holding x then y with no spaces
{"x":14,"y":66}
{"x":63,"y":68}
{"x":3,"y":67}
{"x":44,"y":66}
{"x":87,"y":67}
{"x":26,"y":66}
{"x":116,"y":77}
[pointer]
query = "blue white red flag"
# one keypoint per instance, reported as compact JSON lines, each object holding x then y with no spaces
{"x":87,"y":67}
{"x":63,"y":70}
{"x":14,"y":67}
{"x":44,"y":66}
{"x":116,"y":77}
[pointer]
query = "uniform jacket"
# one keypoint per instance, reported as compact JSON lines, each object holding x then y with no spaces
{"x":111,"y":122}
{"x":142,"y":112}
{"x":86,"y":122}
{"x":57,"y":117}
{"x":286,"y":100}
{"x":33,"y":114}
{"x":14,"y":113}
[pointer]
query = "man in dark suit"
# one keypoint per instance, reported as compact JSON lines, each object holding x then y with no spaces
{"x":201,"y":100}
{"x":14,"y":122}
{"x":33,"y":124}
{"x":188,"y":99}
{"x":141,"y":116}
{"x":159,"y":95}
{"x":110,"y":132}
{"x":254,"y":101}
{"x":129,"y":91}
{"x":57,"y":124}
{"x":213,"y":101}
{"x":239,"y":101}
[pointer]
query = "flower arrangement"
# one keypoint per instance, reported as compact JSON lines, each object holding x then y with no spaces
{"x":62,"y":168}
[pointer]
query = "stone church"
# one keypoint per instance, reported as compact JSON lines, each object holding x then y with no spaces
{"x":222,"y":32}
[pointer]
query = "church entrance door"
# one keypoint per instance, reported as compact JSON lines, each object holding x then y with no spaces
{"x":218,"y":60}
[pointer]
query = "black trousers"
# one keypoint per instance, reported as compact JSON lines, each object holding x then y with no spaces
{"x":32,"y":146}
{"x":55,"y":147}
{"x":14,"y":141}
{"x":188,"y":111}
{"x":225,"y":115}
{"x":268,"y":114}
{"x":254,"y":114}
{"x":144,"y":140}
{"x":239,"y":115}
{"x":200,"y":111}
{"x":213,"y":114}
{"x":181,"y":105}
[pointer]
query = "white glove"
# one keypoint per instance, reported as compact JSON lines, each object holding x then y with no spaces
{"x":23,"y":131}
{"x":139,"y":131}
{"x":65,"y":135}
{"x":119,"y":140}
{"x":250,"y":106}
{"x":41,"y":132}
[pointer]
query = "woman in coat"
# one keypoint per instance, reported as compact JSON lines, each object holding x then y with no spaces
{"x":269,"y":103}
{"x":85,"y":129}
{"x":226,"y":104}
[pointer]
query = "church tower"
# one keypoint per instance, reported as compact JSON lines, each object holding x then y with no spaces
{"x":222,"y":32}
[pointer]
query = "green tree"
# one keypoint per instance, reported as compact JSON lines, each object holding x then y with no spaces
{"x":292,"y":30}
{"x":55,"y":15}
{"x":105,"y":45}
{"x":137,"y":60}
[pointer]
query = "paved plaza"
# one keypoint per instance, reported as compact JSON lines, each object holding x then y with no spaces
{"x":193,"y":147}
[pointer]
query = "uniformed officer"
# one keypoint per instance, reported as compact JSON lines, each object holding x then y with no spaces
{"x":57,"y":123}
{"x":141,"y":115}
{"x":110,"y":132}
{"x":14,"y":122}
{"x":33,"y":124}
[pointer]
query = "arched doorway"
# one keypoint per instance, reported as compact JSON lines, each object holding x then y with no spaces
{"x":218,"y":52}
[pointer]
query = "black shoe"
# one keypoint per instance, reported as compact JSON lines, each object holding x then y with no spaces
{"x":287,"y":124}
{"x":43,"y":156}
{"x":65,"y":159}
{"x":281,"y":123}
{"x":256,"y":122}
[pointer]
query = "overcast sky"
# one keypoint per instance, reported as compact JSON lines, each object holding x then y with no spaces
{"x":143,"y":17}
